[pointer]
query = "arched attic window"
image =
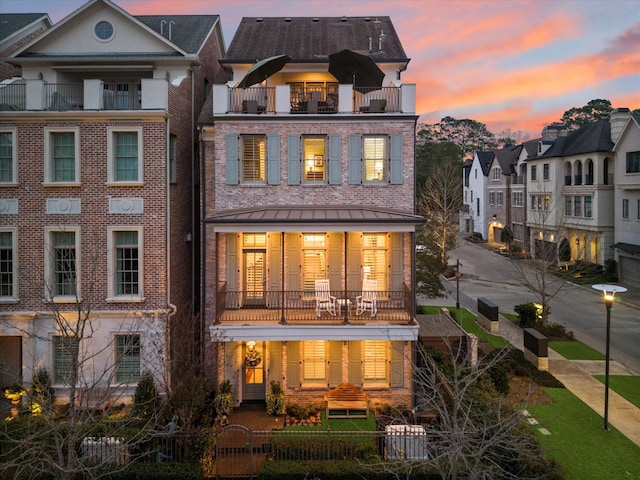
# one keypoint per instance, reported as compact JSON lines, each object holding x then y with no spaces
{"x":589,"y":177}
{"x":578,"y":172}
{"x":567,"y":173}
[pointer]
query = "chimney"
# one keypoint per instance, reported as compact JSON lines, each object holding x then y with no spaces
{"x":554,"y":131}
{"x":619,"y":117}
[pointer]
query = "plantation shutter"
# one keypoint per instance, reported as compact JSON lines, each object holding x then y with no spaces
{"x":397,"y":365}
{"x":335,"y":157}
{"x":375,"y":360}
{"x":355,"y":160}
{"x":396,"y":159}
{"x":355,"y":363}
{"x":293,"y":364}
{"x":314,"y":364}
{"x":396,"y":261}
{"x":231,"y":363}
{"x":231,"y":155}
{"x":354,"y":261}
{"x":335,"y":262}
{"x":275,"y":269}
{"x":275,"y":361}
{"x":293,"y":159}
{"x":335,"y":364}
{"x":273,"y":159}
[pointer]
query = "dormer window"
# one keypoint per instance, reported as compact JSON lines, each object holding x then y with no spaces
{"x":104,"y":31}
{"x":495,"y":173}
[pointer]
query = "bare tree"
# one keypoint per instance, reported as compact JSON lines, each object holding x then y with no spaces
{"x":474,"y":433}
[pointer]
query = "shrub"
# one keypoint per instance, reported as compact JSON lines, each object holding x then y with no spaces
{"x":41,"y":391}
{"x":611,"y":269}
{"x":275,"y":399}
{"x":146,"y":400}
{"x":223,"y":402}
{"x":527,"y":314}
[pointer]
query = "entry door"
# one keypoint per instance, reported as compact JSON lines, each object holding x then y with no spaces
{"x":254,"y":277}
{"x":253,"y":388}
{"x":10,"y":361}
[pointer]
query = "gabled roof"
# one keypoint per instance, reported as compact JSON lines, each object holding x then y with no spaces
{"x":507,"y":157}
{"x":531,"y":147}
{"x":485,"y":159}
{"x":634,"y":119}
{"x":313,"y":39}
{"x":11,"y":23}
{"x":189,"y":32}
{"x":594,"y":137}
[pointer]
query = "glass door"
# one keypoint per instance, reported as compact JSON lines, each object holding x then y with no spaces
{"x":253,"y":385}
{"x":254,"y":277}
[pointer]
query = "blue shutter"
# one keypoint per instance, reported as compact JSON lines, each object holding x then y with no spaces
{"x":273,"y":159}
{"x":293,"y":159}
{"x":396,"y":159}
{"x":355,"y":160}
{"x":231,"y":154}
{"x":335,"y":157}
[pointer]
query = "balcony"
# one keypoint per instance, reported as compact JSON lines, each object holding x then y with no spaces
{"x":289,"y":100}
{"x":299,"y":308}
{"x":518,"y":179}
{"x":37,"y":95}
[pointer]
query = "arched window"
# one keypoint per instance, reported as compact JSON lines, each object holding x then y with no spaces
{"x":567,"y":173}
{"x":589,"y":178}
{"x":577,"y":173}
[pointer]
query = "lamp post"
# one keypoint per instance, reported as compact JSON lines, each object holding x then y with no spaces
{"x":609,"y":292}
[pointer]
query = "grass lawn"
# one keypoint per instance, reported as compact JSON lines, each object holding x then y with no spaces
{"x":468,"y":323}
{"x":573,"y":350}
{"x":579,"y":444}
{"x":510,"y":316}
{"x":628,"y":386}
{"x":337,"y":424}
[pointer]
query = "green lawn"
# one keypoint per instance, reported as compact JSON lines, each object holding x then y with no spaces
{"x":578,"y":442}
{"x":573,"y":350}
{"x":628,"y":386}
{"x":338,"y":424}
{"x":510,"y":316}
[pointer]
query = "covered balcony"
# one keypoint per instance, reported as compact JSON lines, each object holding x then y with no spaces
{"x":291,"y":99}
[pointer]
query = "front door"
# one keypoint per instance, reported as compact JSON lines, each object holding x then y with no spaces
{"x":253,"y":388}
{"x":10,"y":361}
{"x":254,"y":277}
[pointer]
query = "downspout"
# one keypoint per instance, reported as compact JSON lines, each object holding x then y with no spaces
{"x":203,"y":240}
{"x":414,"y":283}
{"x":168,"y":249}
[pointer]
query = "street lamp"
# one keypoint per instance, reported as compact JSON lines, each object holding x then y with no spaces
{"x":609,"y":292}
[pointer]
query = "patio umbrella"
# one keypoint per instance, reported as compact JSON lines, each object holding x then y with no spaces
{"x":263,"y":70}
{"x":359,"y":70}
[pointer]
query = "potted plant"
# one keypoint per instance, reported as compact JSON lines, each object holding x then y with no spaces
{"x":275,"y":399}
{"x":224,"y":399}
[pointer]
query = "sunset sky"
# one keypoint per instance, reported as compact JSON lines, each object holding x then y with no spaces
{"x":509,"y":64}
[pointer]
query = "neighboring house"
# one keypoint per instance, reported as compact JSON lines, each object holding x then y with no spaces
{"x":625,"y":132}
{"x":315,"y":181}
{"x":519,"y":196}
{"x":464,"y":216}
{"x":570,"y":189}
{"x":501,"y":173}
{"x":96,"y":197}
{"x":16,"y":30}
{"x":478,"y":192}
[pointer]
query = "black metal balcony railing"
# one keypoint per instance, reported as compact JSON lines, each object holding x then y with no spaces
{"x":13,"y":97}
{"x":64,"y":96}
{"x":300,"y":306}
{"x":377,"y":100}
{"x":314,"y":100}
{"x":122,"y":96}
{"x":588,"y":180}
{"x":577,"y":179}
{"x":252,"y":100}
{"x":567,"y":180}
{"x":518,"y":180}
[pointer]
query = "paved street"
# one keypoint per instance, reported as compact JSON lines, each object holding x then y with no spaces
{"x":580,"y":308}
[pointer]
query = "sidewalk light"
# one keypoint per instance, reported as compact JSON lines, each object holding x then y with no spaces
{"x":609,"y":292}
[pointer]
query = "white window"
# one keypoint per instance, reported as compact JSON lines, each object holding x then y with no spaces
{"x":374,"y":254}
{"x":125,"y":155}
{"x":173,"y":147}
{"x":545,"y":172}
{"x":577,"y":202}
{"x":314,"y":264}
{"x":8,"y":264}
{"x":62,"y":156}
{"x":64,"y":349}
{"x":495,"y":173}
{"x":588,"y":211}
{"x":8,"y":162}
{"x":314,"y":361}
{"x":625,"y":209}
{"x":375,"y":361}
{"x":500,"y":198}
{"x":518,"y":199}
{"x":125,"y":249}
{"x":534,"y":173}
{"x":375,"y":159}
{"x":492,"y":198}
{"x":254,"y":159}
{"x":128,"y":353}
{"x":313,"y":159}
{"x":61,"y":265}
{"x":568,"y":205}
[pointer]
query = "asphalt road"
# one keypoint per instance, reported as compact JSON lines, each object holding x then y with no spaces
{"x":581,"y":309}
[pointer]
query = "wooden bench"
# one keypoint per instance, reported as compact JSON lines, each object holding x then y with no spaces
{"x":347,"y":401}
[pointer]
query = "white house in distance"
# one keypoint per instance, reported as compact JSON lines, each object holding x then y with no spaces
{"x":477,"y":192}
{"x":625,"y":131}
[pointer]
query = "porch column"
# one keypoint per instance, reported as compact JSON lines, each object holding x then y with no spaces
{"x":346,"y":308}
{"x":282,"y":319}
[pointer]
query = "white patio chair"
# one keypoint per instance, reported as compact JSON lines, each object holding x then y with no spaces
{"x":367,"y":301}
{"x":324,"y":299}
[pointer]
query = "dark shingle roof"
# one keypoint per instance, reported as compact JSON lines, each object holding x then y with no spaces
{"x":507,"y":157}
{"x":188,"y":32}
{"x":594,"y":137}
{"x":485,"y":159}
{"x":10,"y":23}
{"x":313,"y":39}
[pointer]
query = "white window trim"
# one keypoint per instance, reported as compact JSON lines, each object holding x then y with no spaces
{"x":386,"y":167}
{"x":382,"y":384}
{"x":48,"y":159}
{"x":14,"y":247}
{"x":111,"y":265}
{"x":317,"y":383}
{"x":52,"y":336}
{"x":496,"y":172}
{"x":111,"y":132}
{"x":14,"y":156}
{"x":48,"y":270}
